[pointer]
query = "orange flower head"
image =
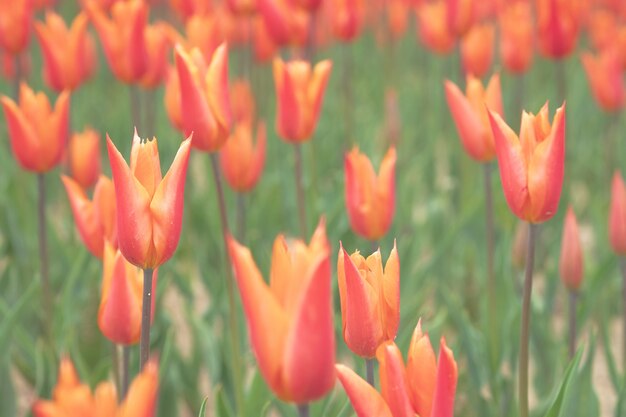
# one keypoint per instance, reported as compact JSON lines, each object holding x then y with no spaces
{"x":95,"y":219}
{"x":604,"y":73}
{"x":571,"y":265}
{"x":171,"y":98}
{"x":617,"y":215}
{"x":149,"y":207}
{"x":16,"y":18}
{"x":347,"y":18}
{"x":432,"y":28}
{"x":531,"y":165}
{"x":460,"y":15}
{"x":186,"y":9}
{"x":242,"y":101}
{"x":397,"y":17}
{"x":243,"y":7}
{"x":69,"y":55}
{"x":300,"y":93}
{"x":241,"y":159}
{"x":602,"y":28}
{"x":286,"y":23}
{"x":158,"y":39}
{"x":558,"y":24}
{"x":204,"y":97}
{"x":205,"y":33}
{"x":370,"y":300}
{"x":477,"y":49}
{"x":264,"y":46}
{"x":290,"y":320}
{"x":37,"y":132}
{"x":470,"y":115}
{"x":83,"y":157}
{"x":370,"y":199}
{"x":516,"y":36}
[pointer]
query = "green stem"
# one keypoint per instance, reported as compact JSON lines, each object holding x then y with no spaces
{"x":122,"y":354}
{"x":369,"y":368}
{"x":573,"y":298}
{"x":241,"y":217}
{"x":18,"y":77}
{"x":303,"y":410}
{"x":623,"y":268}
{"x":300,"y":190}
{"x":491,"y":280}
{"x":43,"y":250}
{"x":146,"y":310}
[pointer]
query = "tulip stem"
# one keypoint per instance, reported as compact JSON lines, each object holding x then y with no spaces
{"x":369,"y":369}
{"x":146,"y":310}
{"x":18,"y":77}
{"x":123,"y":362}
{"x":232,"y":313}
{"x":303,"y":410}
{"x":241,"y":217}
{"x":524,"y":339}
{"x":300,"y":189}
{"x":348,"y":94}
{"x":135,"y":106}
{"x":623,"y":267}
{"x":491,"y":281}
{"x":43,"y":250}
{"x":573,"y":298}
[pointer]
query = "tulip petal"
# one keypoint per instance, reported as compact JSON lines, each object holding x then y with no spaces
{"x":391,"y":294}
{"x":316,"y":90}
{"x":447,"y":374}
{"x":24,"y":140}
{"x":617,"y":215}
{"x":217,"y":87}
{"x":393,"y":386}
{"x":421,"y":370}
{"x":142,"y":394}
{"x":290,"y":117}
{"x":85,"y":217}
{"x":365,"y":400}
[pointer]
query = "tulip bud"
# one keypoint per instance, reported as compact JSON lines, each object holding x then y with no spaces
{"x":571,"y":260}
{"x":477,"y":49}
{"x":604,"y":73}
{"x":617,"y":215}
{"x":558,"y":23}
{"x":83,"y":157}
{"x":347,"y":18}
{"x":241,"y":159}
{"x":516,"y":36}
{"x":432,"y":28}
{"x":15,"y":25}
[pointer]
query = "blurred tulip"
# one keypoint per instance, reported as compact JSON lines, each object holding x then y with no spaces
{"x":242,"y":160}
{"x":477,"y":49}
{"x":604,"y":73}
{"x":531,"y":165}
{"x":432,"y":28}
{"x":149,"y":207}
{"x":264,"y":46}
{"x":186,"y":9}
{"x":203,"y":32}
{"x":370,"y":300}
{"x":158,"y":45}
{"x":242,"y":102}
{"x":69,"y":54}
{"x":602,"y":28}
{"x":123,"y":37}
{"x":393,"y":124}
{"x":397,"y":17}
{"x":83,"y":157}
{"x":516,"y":36}
{"x":571,"y":261}
{"x":370,"y":199}
{"x":119,"y":314}
{"x":171,"y":98}
{"x":16,"y":20}
{"x":557,"y":27}
{"x":243,"y":7}
{"x":347,"y":18}
{"x":300,"y":93}
{"x":470,"y":116}
{"x":290,"y":320}
{"x":37,"y":132}
{"x":617,"y":215}
{"x":204,"y":97}
{"x":460,"y":15}
{"x":95,"y":219}
{"x":286,"y":23}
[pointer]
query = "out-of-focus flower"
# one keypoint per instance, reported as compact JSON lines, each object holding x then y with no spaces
{"x":149,"y":206}
{"x":186,"y":9}
{"x":243,"y":7}
{"x":16,"y":23}
{"x":470,"y":116}
{"x":158,"y":44}
{"x":397,"y":17}
{"x":264,"y":46}
{"x":370,"y":300}
{"x":516,"y":36}
{"x":83,"y":157}
{"x":604,"y":73}
{"x":38,"y":133}
{"x":242,"y":102}
{"x":347,"y":18}
{"x":286,"y":23}
{"x":571,"y":265}
{"x":370,"y":199}
{"x":477,"y":49}
{"x":460,"y":15}
{"x":203,"y":32}
{"x":432,"y":28}
{"x":558,"y":24}
{"x":290,"y":320}
{"x":602,"y":28}
{"x":241,"y":159}
{"x":617,"y":215}
{"x":531,"y":165}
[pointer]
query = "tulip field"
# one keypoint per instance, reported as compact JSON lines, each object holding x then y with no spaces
{"x":372,"y":208}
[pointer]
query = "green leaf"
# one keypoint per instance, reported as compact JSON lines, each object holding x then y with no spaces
{"x":202,"y":412}
{"x":557,"y":403}
{"x":222,"y":405}
{"x":580,"y":399}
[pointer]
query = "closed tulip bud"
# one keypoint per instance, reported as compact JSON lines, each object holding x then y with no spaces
{"x":264,"y":46}
{"x":242,"y":102}
{"x":617,"y":215}
{"x":370,"y":300}
{"x":470,"y":116}
{"x":558,"y":23}
{"x":38,"y":133}
{"x":477,"y":49}
{"x":158,"y":44}
{"x":571,"y":264}
{"x":460,"y":15}
{"x":602,"y":28}
{"x":347,"y":18}
{"x":69,"y":55}
{"x":242,"y":159}
{"x":370,"y":199}
{"x":397,"y":17}
{"x":290,"y":320}
{"x":300,"y":93}
{"x":432,"y":28}
{"x":149,"y":206}
{"x":604,"y":73}
{"x":516,"y":36}
{"x":286,"y":23}
{"x":83,"y":157}
{"x":205,"y":102}
{"x":531,"y":165}
{"x":15,"y":25}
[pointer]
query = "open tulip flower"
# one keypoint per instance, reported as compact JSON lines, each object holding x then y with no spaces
{"x":370,"y":300}
{"x":425,"y":387}
{"x":71,"y":398}
{"x":37,"y":132}
{"x":531,"y":165}
{"x":604,"y":73}
{"x":290,"y":320}
{"x":149,"y":206}
{"x":300,"y":93}
{"x":370,"y":199}
{"x":470,"y":116}
{"x":95,"y":219}
{"x":242,"y":159}
{"x":571,"y":265}
{"x":83,"y":157}
{"x":617,"y":215}
{"x":285,"y":22}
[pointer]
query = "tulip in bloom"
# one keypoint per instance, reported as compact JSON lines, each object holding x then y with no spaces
{"x":470,"y":116}
{"x":617,"y":215}
{"x":149,"y":207}
{"x":432,"y":28}
{"x":300,"y":93}
{"x":370,"y":199}
{"x":290,"y":320}
{"x":558,"y":23}
{"x":241,"y":159}
{"x":83,"y":157}
{"x":425,"y":387}
{"x":516,"y":36}
{"x":602,"y":28}
{"x":16,"y":18}
{"x":69,"y":54}
{"x":604,"y":73}
{"x":477,"y":49}
{"x":571,"y":262}
{"x":397,"y":17}
{"x":370,"y":300}
{"x":204,"y":98}
{"x":37,"y":132}
{"x":531,"y":165}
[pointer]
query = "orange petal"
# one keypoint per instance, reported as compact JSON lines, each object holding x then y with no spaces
{"x":85,"y":217}
{"x":421,"y":370}
{"x":217,"y":86}
{"x":391,"y":294}
{"x":290,"y":114}
{"x":617,"y":215}
{"x":365,"y":400}
{"x":142,"y":393}
{"x":393,"y":385}
{"x":447,"y":374}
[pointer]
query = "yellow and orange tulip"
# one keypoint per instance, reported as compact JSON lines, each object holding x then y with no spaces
{"x":571,"y":264}
{"x":242,"y":159}
{"x":83,"y":157}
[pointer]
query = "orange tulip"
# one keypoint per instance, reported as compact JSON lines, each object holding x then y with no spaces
{"x":602,"y":28}
{"x":123,"y":37}
{"x":571,"y":262}
{"x":516,"y":36}
{"x":203,"y":32}
{"x":290,"y":320}
{"x":16,"y":18}
{"x":119,"y":314}
{"x":149,"y":207}
{"x":370,"y":199}
{"x":188,"y":8}
{"x":604,"y":73}
{"x":617,"y":216}
{"x":243,"y":7}
{"x":83,"y":157}
{"x":158,"y":44}
{"x":286,"y":23}
{"x":171,"y":98}
{"x":460,"y":15}
{"x":37,"y":132}
{"x":96,"y":219}
{"x":477,"y":49}
{"x":470,"y":116}
{"x":300,"y":93}
{"x":531,"y":165}
{"x":242,"y":102}
{"x":557,"y":27}
{"x":432,"y":28}
{"x":397,"y":17}
{"x":204,"y":98}
{"x":69,"y":55}
{"x":264,"y":46}
{"x":347,"y":18}
{"x":425,"y":387}
{"x":370,"y":300}
{"x":242,"y":160}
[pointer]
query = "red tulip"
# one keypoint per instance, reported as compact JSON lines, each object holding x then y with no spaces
{"x":243,"y":7}
{"x":347,"y":18}
{"x":149,"y":207}
{"x":558,"y":23}
{"x":264,"y":46}
{"x":241,"y":159}
{"x":617,"y":216}
{"x":604,"y":73}
{"x":571,"y":265}
{"x":477,"y":49}
{"x":516,"y":36}
{"x":460,"y":15}
{"x":286,"y":23}
{"x":83,"y":157}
